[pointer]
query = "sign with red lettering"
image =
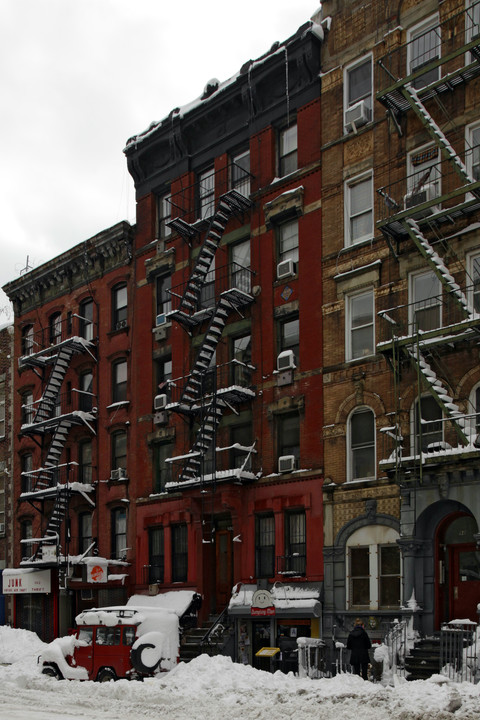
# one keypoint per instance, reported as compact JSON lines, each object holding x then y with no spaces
{"x":25,"y":581}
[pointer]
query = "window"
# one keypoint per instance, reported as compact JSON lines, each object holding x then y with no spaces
{"x":472,"y":155}
{"x":360,"y":325}
{"x":27,"y":408}
{"x":264,"y":546}
{"x":241,"y":173}
{"x":423,"y":49}
{"x":206,"y":193}
{"x":55,"y":328}
{"x":358,"y":84}
{"x":2,"y":407}
{"x":428,"y":432}
{"x":119,"y":381}
{"x":164,"y":210}
{"x":85,"y":536}
{"x":86,"y":392}
{"x":358,"y":210}
{"x":162,"y":470}
{"x":119,"y":450}
{"x":26,"y":534}
{"x":474,"y":410}
{"x":179,"y":553}
{"x":85,"y":461}
{"x":361,"y":438}
{"x":27,"y":340}
{"x":240,"y":266}
{"x":119,"y":307}
{"x":289,"y":335}
{"x":426,"y":301}
{"x":423,"y":177}
{"x":374,"y":568}
{"x":85,"y":312}
{"x":289,"y":436}
{"x":26,"y":465}
{"x":473,"y":281}
{"x":287,"y":150}
{"x":472,"y":21}
{"x":156,"y":555}
{"x":240,"y":437}
{"x":163,"y":372}
{"x":119,"y":533}
{"x":242,"y":358}
{"x":163,"y":284}
{"x":295,"y":542}
{"x":207,"y":292}
{"x":287,"y":234}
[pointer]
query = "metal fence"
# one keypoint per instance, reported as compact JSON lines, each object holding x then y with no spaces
{"x":459,"y":651}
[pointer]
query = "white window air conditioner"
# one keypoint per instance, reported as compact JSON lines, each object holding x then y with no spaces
{"x":286,"y":361}
{"x":357,"y":115}
{"x":286,"y":463}
{"x":160,"y":320}
{"x":285,"y":269}
{"x":159,"y":402}
{"x":118,"y":474}
{"x":414,"y":198}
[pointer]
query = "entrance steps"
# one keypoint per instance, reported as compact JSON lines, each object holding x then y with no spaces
{"x":192,"y":645}
{"x":423,"y":661}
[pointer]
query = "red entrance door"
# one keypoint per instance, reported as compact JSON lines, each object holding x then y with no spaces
{"x":465,"y":581}
{"x":224,"y":575}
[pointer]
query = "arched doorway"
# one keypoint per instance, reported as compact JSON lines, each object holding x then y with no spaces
{"x":458,"y":569}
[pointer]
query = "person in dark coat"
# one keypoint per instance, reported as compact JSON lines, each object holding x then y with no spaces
{"x":359,"y":644}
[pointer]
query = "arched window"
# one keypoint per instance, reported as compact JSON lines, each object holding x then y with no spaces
{"x":373,"y":568}
{"x":361,"y":444}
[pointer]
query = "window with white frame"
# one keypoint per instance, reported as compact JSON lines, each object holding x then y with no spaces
{"x":427,"y":424}
{"x":358,"y":209}
{"x":425,"y":307}
{"x":423,"y":175}
{"x":474,"y":410}
{"x":361,"y":444}
{"x":360,"y":325}
{"x":472,"y":153}
{"x":472,"y":20}
{"x":424,"y":41}
{"x":287,"y":151}
{"x":164,"y":215}
{"x":163,"y":285}
{"x":473,"y":281}
{"x":358,"y":90}
{"x":287,"y":234}
{"x":240,"y":274}
{"x":206,"y":193}
{"x":373,"y":568}
{"x":241,"y":173}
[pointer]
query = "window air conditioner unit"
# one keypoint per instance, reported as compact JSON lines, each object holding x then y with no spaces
{"x":118,"y":474}
{"x":160,"y":402}
{"x":285,"y":269}
{"x":286,"y":463}
{"x":412,"y":199}
{"x":286,"y":360}
{"x":357,"y":115}
{"x":160,"y":320}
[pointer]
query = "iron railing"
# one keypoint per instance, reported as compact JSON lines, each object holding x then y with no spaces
{"x":459,"y":651}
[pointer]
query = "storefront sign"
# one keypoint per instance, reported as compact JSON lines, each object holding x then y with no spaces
{"x":262,"y":612}
{"x":25,"y":581}
{"x":262,"y":604}
{"x":96,"y":572}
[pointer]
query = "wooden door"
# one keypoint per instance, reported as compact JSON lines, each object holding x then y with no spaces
{"x":464,"y":581}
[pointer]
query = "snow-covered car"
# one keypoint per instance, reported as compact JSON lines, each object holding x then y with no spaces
{"x":112,"y":643}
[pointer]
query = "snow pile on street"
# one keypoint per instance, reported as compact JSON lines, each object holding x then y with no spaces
{"x":17,"y":645}
{"x":217,"y":688}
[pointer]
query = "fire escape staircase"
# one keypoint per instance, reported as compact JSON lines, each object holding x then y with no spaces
{"x":194,"y":401}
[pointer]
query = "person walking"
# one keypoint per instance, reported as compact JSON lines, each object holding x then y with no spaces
{"x":359,"y":644}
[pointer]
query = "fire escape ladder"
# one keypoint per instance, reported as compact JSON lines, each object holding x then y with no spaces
{"x":229,"y":204}
{"x":437,"y":264}
{"x":451,"y":410}
{"x":51,"y":536}
{"x":437,"y":135}
{"x":54,"y":383}
{"x":192,"y":469}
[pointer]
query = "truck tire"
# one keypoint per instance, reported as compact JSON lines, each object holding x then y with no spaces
{"x":52,"y":671}
{"x":106,"y":674}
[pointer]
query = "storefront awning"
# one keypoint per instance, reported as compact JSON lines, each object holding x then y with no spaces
{"x":287,"y":601}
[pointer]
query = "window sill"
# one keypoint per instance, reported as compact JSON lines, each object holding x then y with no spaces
{"x":118,"y":331}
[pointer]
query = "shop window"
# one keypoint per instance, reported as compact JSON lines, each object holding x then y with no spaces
{"x":206,"y":193}
{"x":358,"y":194}
{"x":373,"y":569}
{"x":119,"y":381}
{"x":119,"y":306}
{"x":287,"y":151}
{"x":295,"y":543}
{"x":85,"y":312}
{"x":425,"y":301}
{"x":241,"y":173}
{"x":361,"y":440}
{"x":179,"y":553}
{"x":119,"y":533}
{"x":428,"y":425}
{"x":264,"y":546}
{"x":156,"y":555}
{"x":85,"y":535}
{"x":360,"y":324}
{"x":424,"y":41}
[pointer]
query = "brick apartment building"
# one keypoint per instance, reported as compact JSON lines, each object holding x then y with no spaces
{"x":271,"y":383}
{"x":401,"y":167}
{"x":6,"y":441}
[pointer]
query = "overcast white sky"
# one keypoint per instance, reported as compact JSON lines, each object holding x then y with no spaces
{"x":79,"y":77}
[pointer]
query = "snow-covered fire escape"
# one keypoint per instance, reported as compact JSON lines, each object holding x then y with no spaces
{"x":203,"y":306}
{"x":49,"y":420}
{"x":420,"y":82}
